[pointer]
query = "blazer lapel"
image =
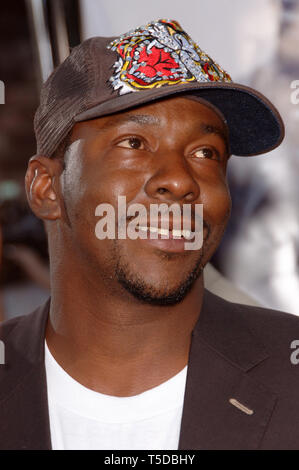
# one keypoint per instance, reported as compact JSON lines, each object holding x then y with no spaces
{"x":224,"y":408}
{"x":24,"y":417}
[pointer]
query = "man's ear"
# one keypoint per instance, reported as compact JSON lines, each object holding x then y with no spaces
{"x":42,"y":187}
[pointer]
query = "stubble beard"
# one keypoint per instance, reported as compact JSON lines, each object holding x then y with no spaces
{"x":146,"y":292}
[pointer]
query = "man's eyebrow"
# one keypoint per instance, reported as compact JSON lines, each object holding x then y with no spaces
{"x":210,"y":129}
{"x":140,"y":119}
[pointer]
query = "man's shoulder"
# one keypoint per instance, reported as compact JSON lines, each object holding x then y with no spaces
{"x":253,"y":314}
{"x":264,"y":323}
{"x":262,"y":316}
{"x":24,"y":334}
{"x":7,"y":326}
{"x":18,"y":322}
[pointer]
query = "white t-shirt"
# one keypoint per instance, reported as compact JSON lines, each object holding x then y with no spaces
{"x":83,"y":419}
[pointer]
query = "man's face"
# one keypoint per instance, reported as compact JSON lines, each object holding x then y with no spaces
{"x":171,"y":151}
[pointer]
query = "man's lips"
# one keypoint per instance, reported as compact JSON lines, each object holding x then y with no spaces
{"x":164,"y":233}
{"x":169,"y":243}
{"x":172,"y":229}
{"x":172,"y":240}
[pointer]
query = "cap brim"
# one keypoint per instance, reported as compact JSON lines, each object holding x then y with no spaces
{"x":255,"y":126}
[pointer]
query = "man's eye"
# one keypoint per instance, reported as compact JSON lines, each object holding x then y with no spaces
{"x":131,"y":143}
{"x":206,"y":152}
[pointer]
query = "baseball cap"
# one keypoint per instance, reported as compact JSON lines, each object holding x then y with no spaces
{"x":102,"y":76}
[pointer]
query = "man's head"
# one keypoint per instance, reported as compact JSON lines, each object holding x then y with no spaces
{"x":152,"y":145}
{"x":170,"y":151}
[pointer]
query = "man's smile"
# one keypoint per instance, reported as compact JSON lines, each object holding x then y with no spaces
{"x":171,"y":233}
{"x":171,"y":240}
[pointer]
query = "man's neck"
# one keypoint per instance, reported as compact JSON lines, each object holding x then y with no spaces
{"x":115,"y":344}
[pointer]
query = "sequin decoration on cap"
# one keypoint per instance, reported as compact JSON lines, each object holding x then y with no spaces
{"x":160,"y":53}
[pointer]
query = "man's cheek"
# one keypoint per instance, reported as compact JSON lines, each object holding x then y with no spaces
{"x":227,"y":206}
{"x":223,"y":203}
{"x":218,"y":207}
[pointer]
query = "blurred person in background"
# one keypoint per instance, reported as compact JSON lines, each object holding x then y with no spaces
{"x":265,"y":219}
{"x":24,"y":269}
{"x":24,"y":242}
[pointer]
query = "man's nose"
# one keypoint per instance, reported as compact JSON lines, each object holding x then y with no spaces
{"x":172,"y":180}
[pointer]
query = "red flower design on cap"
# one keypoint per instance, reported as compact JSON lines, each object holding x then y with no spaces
{"x":155,"y":63}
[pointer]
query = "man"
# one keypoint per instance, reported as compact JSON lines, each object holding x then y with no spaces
{"x":131,"y":352}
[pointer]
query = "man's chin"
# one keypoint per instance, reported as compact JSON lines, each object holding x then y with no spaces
{"x":148,"y":293}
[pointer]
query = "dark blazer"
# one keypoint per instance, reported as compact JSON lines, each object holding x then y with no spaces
{"x":237,"y":352}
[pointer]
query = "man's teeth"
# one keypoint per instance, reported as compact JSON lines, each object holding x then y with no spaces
{"x":164,"y":231}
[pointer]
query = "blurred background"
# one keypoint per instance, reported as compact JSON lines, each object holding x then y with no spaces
{"x":257,"y":42}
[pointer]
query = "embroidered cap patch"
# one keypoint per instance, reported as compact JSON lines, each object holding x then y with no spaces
{"x":160,"y":53}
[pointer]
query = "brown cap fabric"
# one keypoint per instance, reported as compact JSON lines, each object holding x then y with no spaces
{"x":103,"y":76}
